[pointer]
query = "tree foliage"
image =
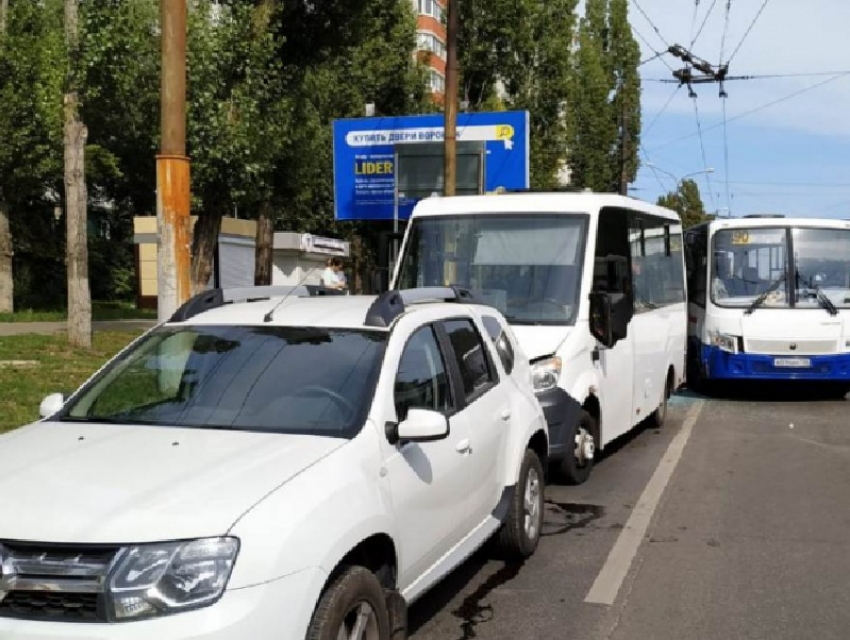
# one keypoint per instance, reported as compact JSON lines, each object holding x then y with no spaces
{"x":266,"y":78}
{"x":687,"y":202}
{"x":605,"y":110}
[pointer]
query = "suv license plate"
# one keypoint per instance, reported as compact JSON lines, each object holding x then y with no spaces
{"x":795,"y":363}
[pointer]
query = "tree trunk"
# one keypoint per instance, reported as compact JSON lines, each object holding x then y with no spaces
{"x":204,"y":239}
{"x":264,"y":247}
{"x":76,"y":251}
{"x":7,"y":285}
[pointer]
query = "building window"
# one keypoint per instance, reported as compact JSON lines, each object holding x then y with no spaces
{"x":431,"y":8}
{"x":438,"y":82}
{"x":427,"y":41}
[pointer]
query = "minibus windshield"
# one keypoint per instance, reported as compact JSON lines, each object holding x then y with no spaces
{"x":527,"y":265}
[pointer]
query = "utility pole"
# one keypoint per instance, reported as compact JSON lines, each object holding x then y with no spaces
{"x":450,"y":178}
{"x":172,"y":166}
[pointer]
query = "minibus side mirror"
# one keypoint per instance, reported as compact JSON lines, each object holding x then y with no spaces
{"x":610,"y":314}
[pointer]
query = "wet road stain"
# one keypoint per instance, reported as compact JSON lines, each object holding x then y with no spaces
{"x":563,"y":517}
{"x":474,"y":611}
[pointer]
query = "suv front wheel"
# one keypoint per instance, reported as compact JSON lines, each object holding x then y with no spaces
{"x":520,"y":533}
{"x":352,"y":608}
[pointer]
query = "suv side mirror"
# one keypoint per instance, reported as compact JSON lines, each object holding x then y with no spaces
{"x":423,"y":425}
{"x":51,"y":405}
{"x":610,"y":314}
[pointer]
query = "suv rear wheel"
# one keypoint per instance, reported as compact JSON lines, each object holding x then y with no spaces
{"x":520,"y":533}
{"x":352,"y":608}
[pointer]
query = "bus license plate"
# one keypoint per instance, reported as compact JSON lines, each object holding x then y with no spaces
{"x":793,"y":363}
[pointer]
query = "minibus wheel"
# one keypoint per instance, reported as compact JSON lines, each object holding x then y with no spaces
{"x":577,"y":465}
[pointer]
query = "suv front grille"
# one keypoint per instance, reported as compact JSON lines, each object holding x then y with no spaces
{"x":43,"y":605}
{"x":56,"y":583}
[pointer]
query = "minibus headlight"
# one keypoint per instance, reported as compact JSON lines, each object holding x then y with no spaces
{"x":726,"y":342}
{"x":545,"y":374}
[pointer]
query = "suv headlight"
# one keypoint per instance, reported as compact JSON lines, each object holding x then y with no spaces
{"x":545,"y":374}
{"x":725,"y":342}
{"x":157,"y":579}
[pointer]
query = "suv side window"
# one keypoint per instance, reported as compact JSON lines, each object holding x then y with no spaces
{"x":422,"y":381}
{"x":476,"y":371}
{"x":503,"y":343}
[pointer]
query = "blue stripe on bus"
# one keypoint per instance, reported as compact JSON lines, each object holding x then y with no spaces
{"x":719,"y":364}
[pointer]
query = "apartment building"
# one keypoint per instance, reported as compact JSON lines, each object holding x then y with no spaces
{"x":431,"y":41}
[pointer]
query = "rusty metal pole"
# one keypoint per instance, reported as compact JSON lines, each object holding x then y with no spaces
{"x":172,"y":166}
{"x":450,"y":177}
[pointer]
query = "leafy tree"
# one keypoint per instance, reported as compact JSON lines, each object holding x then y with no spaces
{"x":605,"y":104}
{"x":31,"y":55}
{"x":519,"y":55}
{"x":687,"y":202}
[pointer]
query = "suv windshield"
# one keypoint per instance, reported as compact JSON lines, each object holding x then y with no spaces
{"x":258,"y":378}
{"x":750,"y":266}
{"x":527,"y":265}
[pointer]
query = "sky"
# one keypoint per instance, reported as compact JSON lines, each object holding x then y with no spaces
{"x":787,"y":154}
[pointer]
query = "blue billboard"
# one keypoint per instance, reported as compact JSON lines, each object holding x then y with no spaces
{"x":364,"y":155}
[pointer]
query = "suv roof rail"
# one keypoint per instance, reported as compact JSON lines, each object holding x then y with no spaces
{"x":764,"y":215}
{"x":214,"y":298}
{"x":391,"y":304}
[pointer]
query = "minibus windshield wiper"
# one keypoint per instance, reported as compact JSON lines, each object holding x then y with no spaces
{"x":763,"y":296}
{"x":825,"y":302}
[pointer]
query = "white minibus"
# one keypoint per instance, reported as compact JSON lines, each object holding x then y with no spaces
{"x":593,"y":286}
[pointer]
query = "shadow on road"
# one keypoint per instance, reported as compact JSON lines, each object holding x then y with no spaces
{"x":791,"y":391}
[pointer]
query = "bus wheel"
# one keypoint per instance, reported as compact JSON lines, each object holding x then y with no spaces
{"x":578,"y":464}
{"x":658,"y":417}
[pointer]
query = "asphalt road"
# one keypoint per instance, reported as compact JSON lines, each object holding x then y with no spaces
{"x":749,"y":539}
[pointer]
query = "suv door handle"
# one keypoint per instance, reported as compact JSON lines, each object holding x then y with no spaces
{"x":506,"y":414}
{"x":463,"y":446}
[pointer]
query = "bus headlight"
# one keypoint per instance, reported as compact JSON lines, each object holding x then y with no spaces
{"x":545,"y":374}
{"x":725,"y":342}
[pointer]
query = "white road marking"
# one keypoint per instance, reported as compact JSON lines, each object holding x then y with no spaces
{"x":616,"y":567}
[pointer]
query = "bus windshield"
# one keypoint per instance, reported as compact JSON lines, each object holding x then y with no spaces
{"x":751,"y":266}
{"x":528,"y":266}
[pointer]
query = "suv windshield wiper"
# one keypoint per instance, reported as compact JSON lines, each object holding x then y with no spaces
{"x":763,"y":296}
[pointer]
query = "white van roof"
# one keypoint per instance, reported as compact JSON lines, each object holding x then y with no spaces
{"x":531,"y":202}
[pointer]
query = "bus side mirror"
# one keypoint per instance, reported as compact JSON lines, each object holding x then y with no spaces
{"x":609,"y":317}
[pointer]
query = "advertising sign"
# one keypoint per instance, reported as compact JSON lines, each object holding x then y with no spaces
{"x":365,"y":149}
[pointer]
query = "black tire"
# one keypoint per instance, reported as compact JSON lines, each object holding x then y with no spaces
{"x":576,"y":466}
{"x":354,"y":593}
{"x":658,"y":417}
{"x":520,"y":533}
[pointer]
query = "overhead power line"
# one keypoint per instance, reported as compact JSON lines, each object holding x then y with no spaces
{"x":750,"y":28}
{"x":704,"y":158}
{"x":757,"y":109}
{"x":761,"y":76}
{"x":702,"y":26}
{"x":726,"y":157}
{"x":661,"y":111}
{"x":651,"y":23}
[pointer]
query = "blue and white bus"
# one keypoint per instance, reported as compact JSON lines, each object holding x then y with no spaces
{"x":769,"y":299}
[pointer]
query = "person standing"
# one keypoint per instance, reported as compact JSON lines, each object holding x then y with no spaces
{"x":332,"y":276}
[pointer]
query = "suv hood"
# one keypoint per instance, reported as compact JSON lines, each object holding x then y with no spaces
{"x":95,"y":483}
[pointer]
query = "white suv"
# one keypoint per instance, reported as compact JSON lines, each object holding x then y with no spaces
{"x":270,"y":466}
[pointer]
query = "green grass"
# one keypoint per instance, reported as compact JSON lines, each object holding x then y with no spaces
{"x":50,"y":365}
{"x":100,"y":311}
